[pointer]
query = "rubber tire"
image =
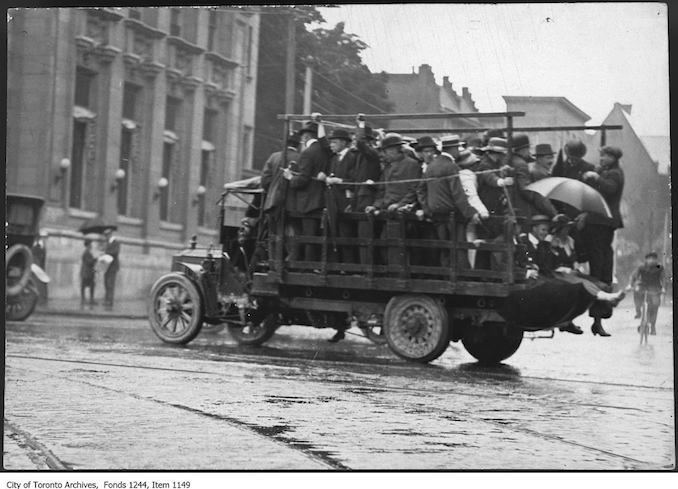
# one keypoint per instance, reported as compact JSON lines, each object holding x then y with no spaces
{"x":395,"y":336}
{"x":19,"y":307}
{"x":195,"y":322}
{"x":493,"y":342}
{"x":270,"y":325}
{"x":12,"y":254}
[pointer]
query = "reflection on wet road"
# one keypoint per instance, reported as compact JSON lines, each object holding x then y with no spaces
{"x":104,"y":394}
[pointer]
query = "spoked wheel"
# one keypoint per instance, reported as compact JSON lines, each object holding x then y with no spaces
{"x":174,"y":309}
{"x":258,"y":329}
{"x":19,"y":307}
{"x":416,"y":327}
{"x":492,"y":342}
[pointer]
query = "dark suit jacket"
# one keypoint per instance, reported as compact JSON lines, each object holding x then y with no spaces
{"x":572,"y":168}
{"x":367,"y":167}
{"x":610,"y":184}
{"x":113,"y":249}
{"x":444,"y":194}
{"x":539,"y":255}
{"x":344,"y":169}
{"x":527,"y":203}
{"x":404,"y":168}
{"x":307,"y":194}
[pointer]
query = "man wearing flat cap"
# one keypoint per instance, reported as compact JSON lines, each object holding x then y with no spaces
{"x":599,"y":230}
{"x":393,"y":196}
{"x":541,"y":167}
{"x":525,"y":201}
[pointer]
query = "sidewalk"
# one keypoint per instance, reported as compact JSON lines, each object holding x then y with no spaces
{"x":125,"y":309}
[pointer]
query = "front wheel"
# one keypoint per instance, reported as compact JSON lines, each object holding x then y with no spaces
{"x":175,"y":309}
{"x":257,"y":330}
{"x":19,"y":307}
{"x":416,"y":327}
{"x":492,"y":342}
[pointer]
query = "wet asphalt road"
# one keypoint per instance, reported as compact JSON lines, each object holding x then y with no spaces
{"x":87,"y":394}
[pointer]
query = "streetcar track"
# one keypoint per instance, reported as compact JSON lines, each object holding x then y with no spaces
{"x":276,"y":435}
{"x":325,"y":381}
{"x":26,"y":439}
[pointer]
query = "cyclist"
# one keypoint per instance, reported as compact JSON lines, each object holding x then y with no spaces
{"x":647,"y":282}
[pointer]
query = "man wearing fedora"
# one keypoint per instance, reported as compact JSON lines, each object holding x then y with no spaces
{"x":491,"y":184}
{"x":112,"y":248}
{"x":525,"y":201}
{"x":573,"y":165}
{"x":428,"y":149}
{"x":440,"y":194}
{"x":393,"y":196}
{"x":272,"y":168}
{"x":367,"y":171}
{"x":307,"y":185}
{"x":541,"y":167}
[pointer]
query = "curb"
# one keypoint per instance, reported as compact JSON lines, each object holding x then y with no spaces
{"x":89,"y":314}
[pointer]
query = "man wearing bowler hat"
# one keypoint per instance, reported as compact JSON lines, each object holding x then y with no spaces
{"x":308,"y":186}
{"x":541,"y":167}
{"x":526,"y":202}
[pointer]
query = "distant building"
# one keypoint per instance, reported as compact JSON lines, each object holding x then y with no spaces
{"x":139,"y":115}
{"x":547,"y":111}
{"x":419,"y":93}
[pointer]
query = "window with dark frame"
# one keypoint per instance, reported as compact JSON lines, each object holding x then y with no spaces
{"x":129,"y":101}
{"x":175,"y":22}
{"x":205,"y":164}
{"x":209,"y":125}
{"x":172,"y":109}
{"x":77,"y":163}
{"x":167,"y":155}
{"x":83,"y":87}
{"x":212,"y":26}
{"x":125,"y":156}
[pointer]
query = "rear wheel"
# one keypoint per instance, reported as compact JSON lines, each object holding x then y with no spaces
{"x":174,"y":309}
{"x":416,"y":327}
{"x":22,"y":305}
{"x":492,"y":342}
{"x":258,"y":329}
{"x":18,"y":261}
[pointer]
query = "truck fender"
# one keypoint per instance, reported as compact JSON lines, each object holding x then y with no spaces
{"x":39,"y":273}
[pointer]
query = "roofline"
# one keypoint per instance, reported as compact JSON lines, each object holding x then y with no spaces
{"x":564,"y":100}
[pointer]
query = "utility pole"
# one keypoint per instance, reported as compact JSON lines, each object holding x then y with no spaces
{"x":289,"y":78}
{"x":308,"y":85}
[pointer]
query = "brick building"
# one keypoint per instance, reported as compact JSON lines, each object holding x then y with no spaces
{"x":139,"y":115}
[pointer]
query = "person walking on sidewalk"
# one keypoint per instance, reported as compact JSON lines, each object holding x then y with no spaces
{"x":112,"y":249}
{"x":87,"y":274}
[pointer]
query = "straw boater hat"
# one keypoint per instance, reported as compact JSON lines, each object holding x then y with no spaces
{"x":339,"y":134}
{"x":497,"y":145}
{"x":543,"y":150}
{"x":539,"y":219}
{"x":450,"y":141}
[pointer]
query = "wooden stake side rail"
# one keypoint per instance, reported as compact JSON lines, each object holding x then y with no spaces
{"x":406,"y":273}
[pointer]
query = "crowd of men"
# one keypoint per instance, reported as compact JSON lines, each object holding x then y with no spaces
{"x":478,"y":181}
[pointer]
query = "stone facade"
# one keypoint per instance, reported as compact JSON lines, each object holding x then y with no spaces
{"x":104,"y":103}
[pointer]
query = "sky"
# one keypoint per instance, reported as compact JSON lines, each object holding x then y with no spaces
{"x":594,"y":54}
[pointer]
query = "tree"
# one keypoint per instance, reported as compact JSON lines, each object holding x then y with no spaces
{"x":341,"y":82}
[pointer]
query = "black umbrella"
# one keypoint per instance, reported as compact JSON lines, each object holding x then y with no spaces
{"x":96,"y":225}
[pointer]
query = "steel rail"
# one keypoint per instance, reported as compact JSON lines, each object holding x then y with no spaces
{"x":414,"y":116}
